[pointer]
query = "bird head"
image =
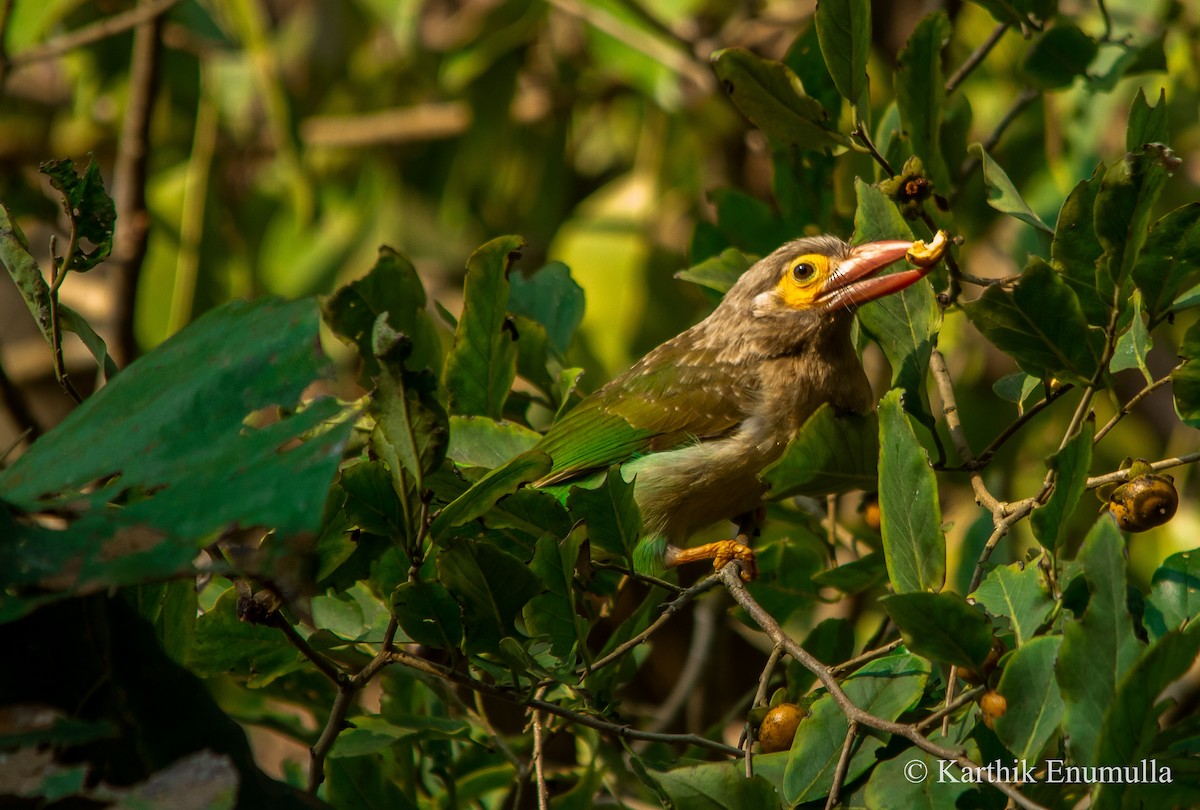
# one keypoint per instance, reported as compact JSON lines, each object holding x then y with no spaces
{"x":812,"y":285}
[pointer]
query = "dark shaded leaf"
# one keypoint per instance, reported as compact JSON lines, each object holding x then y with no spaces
{"x":553,"y":613}
{"x":855,"y":576}
{"x":613,"y":521}
{"x":1174,"y":594}
{"x":491,"y":586}
{"x":1017,"y":592}
{"x":770,"y":95}
{"x":552,"y":298}
{"x":226,"y":645}
{"x":719,"y":272}
{"x":502,"y":481}
{"x":1058,"y":56}
{"x":1146,"y":124}
{"x":476,"y":441}
{"x":89,"y":208}
{"x":844,"y":32}
{"x":941,"y":626}
{"x":428,"y":614}
{"x":1123,"y":207}
{"x":921,"y":95}
{"x":1076,"y":250}
{"x":718,"y":786}
{"x":1169,"y":262}
{"x":1041,"y":325}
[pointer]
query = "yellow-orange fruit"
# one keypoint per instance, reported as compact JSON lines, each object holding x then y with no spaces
{"x":1144,"y":502}
{"x":993,"y":705}
{"x":778,"y":728}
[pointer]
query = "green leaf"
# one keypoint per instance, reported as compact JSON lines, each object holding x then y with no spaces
{"x":487,"y":491}
{"x":1185,"y":381}
{"x":1018,"y":593}
{"x":371,"y":503}
{"x":885,"y":688}
{"x":176,"y":438}
{"x":1040,"y":324}
{"x":855,"y":576}
{"x":770,"y":95}
{"x":25,"y":273}
{"x":225,"y":645}
{"x":1169,"y":261}
{"x":844,"y":32}
{"x":717,"y":786}
{"x":1174,"y":594}
{"x":1016,"y":387}
{"x":428,"y":614}
{"x":921,"y":96}
{"x":876,"y":217}
{"x":830,"y":453}
{"x":72,"y":321}
{"x":1075,"y":249}
{"x":1002,"y":194}
{"x":552,"y":298}
{"x":1058,"y":56}
{"x":476,"y":441}
{"x":1070,"y":465}
{"x":892,"y":786}
{"x":360,"y":782}
{"x":89,"y":208}
{"x":1123,"y":207}
{"x":913,"y":542}
{"x":1099,"y":648}
{"x":483,"y":363}
{"x":718,"y":272}
{"x":941,"y":626}
{"x":613,"y":521}
{"x":1146,"y":124}
{"x":1131,"y":723}
{"x":491,"y":586}
{"x":391,"y":286}
{"x":553,"y":613}
{"x":1133,"y":344}
{"x":1035,"y":706}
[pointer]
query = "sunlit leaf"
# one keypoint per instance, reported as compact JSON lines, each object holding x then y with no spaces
{"x":1035,"y":706}
{"x":1018,"y":593}
{"x":1002,"y":194}
{"x":920,"y":93}
{"x":844,"y":31}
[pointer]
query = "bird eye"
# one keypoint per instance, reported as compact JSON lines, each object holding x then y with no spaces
{"x":803,"y":271}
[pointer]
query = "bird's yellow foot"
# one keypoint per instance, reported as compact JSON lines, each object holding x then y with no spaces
{"x":721,"y":554}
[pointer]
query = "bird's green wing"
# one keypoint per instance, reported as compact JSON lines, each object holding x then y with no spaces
{"x":672,"y":396}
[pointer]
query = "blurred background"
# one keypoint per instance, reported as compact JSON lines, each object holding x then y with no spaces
{"x":261,"y":147}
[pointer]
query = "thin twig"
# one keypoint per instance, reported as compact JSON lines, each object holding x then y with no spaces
{"x":1027,"y":97}
{"x":645,"y":579}
{"x":731,"y":577}
{"x":101,"y":29}
{"x":672,"y":607}
{"x":839,"y":773}
{"x":950,"y":708}
{"x":1157,"y":466}
{"x":1020,"y":422}
{"x":333,"y":727}
{"x":941,"y":376}
{"x":865,"y":658}
{"x":326,"y":666}
{"x":520,"y":698}
{"x":760,"y":697}
{"x":868,"y":146}
{"x":976,"y":58}
{"x":704,"y":633}
{"x":1001,"y":528}
{"x":1131,"y":404}
{"x":543,"y":792}
{"x":129,"y":180}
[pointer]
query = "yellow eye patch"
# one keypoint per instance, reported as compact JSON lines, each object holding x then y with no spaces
{"x":802,"y":280}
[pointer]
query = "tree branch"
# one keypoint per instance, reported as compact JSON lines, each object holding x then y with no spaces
{"x":89,"y":34}
{"x":976,"y":58}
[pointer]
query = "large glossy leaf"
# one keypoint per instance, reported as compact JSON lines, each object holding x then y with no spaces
{"x":481,"y":367}
{"x":844,"y":31}
{"x":176,"y":437}
{"x":476,"y":441}
{"x":1018,"y":593}
{"x":1035,"y":706}
{"x":830,"y":453}
{"x":770,"y":95}
{"x":1070,"y":465}
{"x":941,"y":626}
{"x":913,"y":543}
{"x":718,"y":786}
{"x":1041,"y":325}
{"x":921,"y":96}
{"x":886,"y":688}
{"x":1099,"y":648}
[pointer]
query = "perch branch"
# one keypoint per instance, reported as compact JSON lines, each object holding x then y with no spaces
{"x":95,"y":32}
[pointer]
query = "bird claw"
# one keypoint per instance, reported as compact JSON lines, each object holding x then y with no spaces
{"x":730,"y":550}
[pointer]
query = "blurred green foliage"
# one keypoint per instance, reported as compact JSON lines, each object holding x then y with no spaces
{"x":647,"y":153}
